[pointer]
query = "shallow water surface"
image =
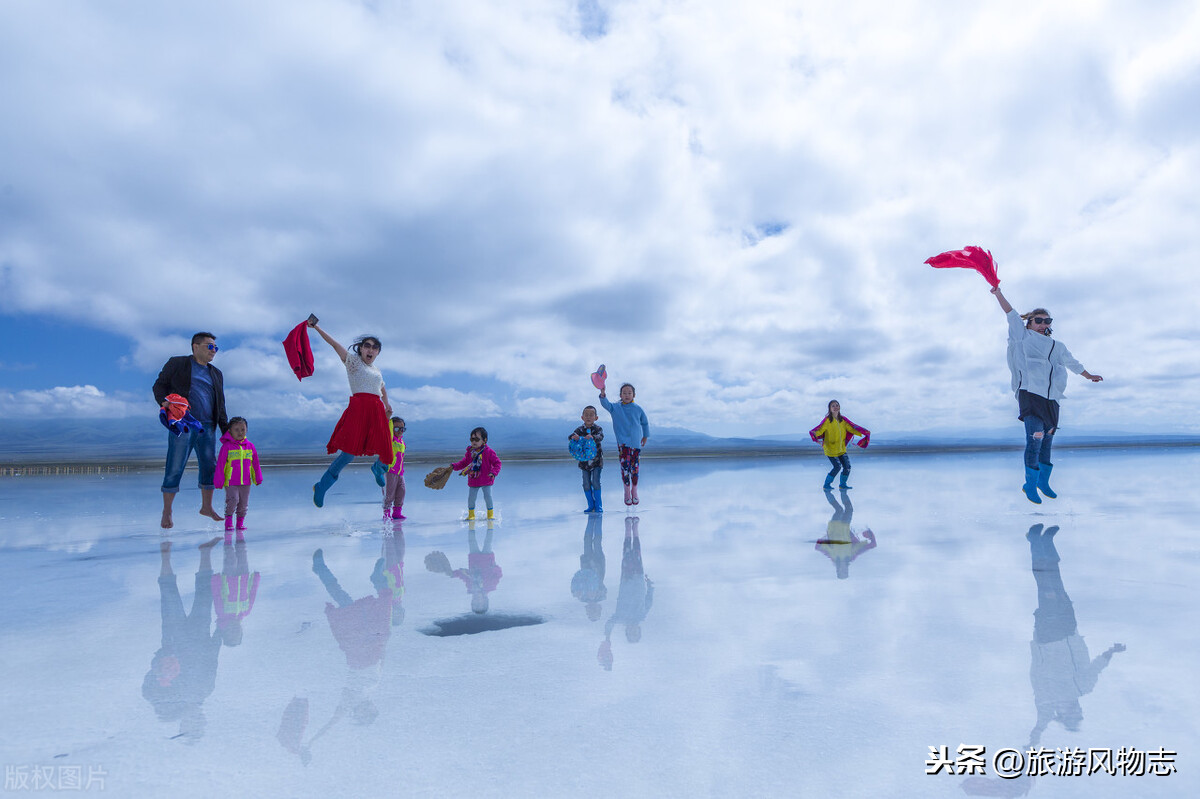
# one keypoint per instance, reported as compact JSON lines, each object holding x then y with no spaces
{"x":744,"y":634}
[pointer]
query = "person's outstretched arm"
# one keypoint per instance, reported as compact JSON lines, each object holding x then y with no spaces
{"x":338,"y":348}
{"x":1004,"y":306}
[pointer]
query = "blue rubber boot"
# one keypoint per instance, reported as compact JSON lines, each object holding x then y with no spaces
{"x":1030,"y":487}
{"x":323,"y":485}
{"x":842,"y":483}
{"x":591,"y":498}
{"x":829,"y":482}
{"x":1043,"y":482}
{"x":380,"y":472}
{"x":330,"y":477}
{"x":598,"y":507}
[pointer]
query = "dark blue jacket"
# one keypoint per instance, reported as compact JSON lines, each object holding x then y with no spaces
{"x":176,"y":378}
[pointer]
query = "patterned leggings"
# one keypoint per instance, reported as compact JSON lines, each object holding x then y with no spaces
{"x":629,"y":463}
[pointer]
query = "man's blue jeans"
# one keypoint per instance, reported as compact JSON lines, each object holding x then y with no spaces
{"x":178,"y":450}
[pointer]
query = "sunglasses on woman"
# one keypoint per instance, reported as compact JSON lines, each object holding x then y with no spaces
{"x":1042,"y":320}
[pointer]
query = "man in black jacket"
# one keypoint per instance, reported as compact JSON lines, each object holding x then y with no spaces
{"x":194,"y":377}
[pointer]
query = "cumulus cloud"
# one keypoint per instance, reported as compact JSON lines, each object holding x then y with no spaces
{"x":82,"y":401}
{"x":727,"y":203}
{"x":435,"y":402}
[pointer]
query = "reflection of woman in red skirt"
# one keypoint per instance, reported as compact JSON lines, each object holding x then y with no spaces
{"x":363,"y":428}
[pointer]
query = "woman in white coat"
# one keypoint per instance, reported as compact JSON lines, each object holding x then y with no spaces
{"x":1039,"y":367}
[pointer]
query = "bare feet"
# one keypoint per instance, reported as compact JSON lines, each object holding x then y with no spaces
{"x":168,"y":501}
{"x":212,"y":514}
{"x":164,"y":551}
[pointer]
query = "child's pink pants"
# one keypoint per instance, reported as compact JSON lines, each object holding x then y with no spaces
{"x":393,"y":490}
{"x":237,"y":498}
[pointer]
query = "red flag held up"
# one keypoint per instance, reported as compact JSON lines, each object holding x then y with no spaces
{"x":970,"y":257}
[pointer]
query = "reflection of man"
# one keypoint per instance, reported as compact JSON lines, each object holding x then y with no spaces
{"x":184,"y":669}
{"x":193,"y":376}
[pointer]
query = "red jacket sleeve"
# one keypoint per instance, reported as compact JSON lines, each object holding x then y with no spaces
{"x":858,"y":430}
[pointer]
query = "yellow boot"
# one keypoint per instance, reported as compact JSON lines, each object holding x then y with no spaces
{"x":471,"y":515}
{"x":490,"y":514}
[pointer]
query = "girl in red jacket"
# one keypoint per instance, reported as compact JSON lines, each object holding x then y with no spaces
{"x":479,"y":465}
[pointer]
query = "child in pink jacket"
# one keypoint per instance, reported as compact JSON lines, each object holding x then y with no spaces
{"x":480,"y":465}
{"x":237,"y":468}
{"x":393,"y":485}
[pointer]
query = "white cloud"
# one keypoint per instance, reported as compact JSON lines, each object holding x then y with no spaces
{"x":434,"y":402}
{"x":83,"y":401}
{"x":503,"y":199}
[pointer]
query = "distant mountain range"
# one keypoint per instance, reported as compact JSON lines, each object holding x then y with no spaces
{"x":131,"y":440}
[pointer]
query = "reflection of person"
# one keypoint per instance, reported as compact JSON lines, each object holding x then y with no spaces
{"x":183,"y":671}
{"x":840,"y":544}
{"x":591,"y":469}
{"x":833,"y":434}
{"x":362,"y":628}
{"x":363,"y":427}
{"x":237,"y":468}
{"x":1060,"y":668}
{"x":482,"y":575}
{"x":635,"y":595}
{"x":587,"y":585}
{"x":1039,"y":367}
{"x":629,"y":420}
{"x":480,"y":465}
{"x":234,"y":591}
{"x":194,"y":377}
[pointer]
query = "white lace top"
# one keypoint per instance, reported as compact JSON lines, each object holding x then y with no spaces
{"x":363,"y":379}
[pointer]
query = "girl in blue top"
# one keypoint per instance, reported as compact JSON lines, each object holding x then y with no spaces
{"x":628,"y":421}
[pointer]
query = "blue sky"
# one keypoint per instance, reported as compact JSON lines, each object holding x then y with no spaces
{"x":728,"y":204}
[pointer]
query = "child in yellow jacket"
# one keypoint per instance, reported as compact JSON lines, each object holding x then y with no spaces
{"x":833,"y":434}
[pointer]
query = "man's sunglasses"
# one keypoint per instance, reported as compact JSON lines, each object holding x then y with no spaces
{"x":213,"y":347}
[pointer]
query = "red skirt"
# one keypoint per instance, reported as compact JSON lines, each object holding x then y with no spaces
{"x":363,"y":429}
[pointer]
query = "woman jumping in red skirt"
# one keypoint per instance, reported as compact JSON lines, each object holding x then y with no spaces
{"x":363,"y":428}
